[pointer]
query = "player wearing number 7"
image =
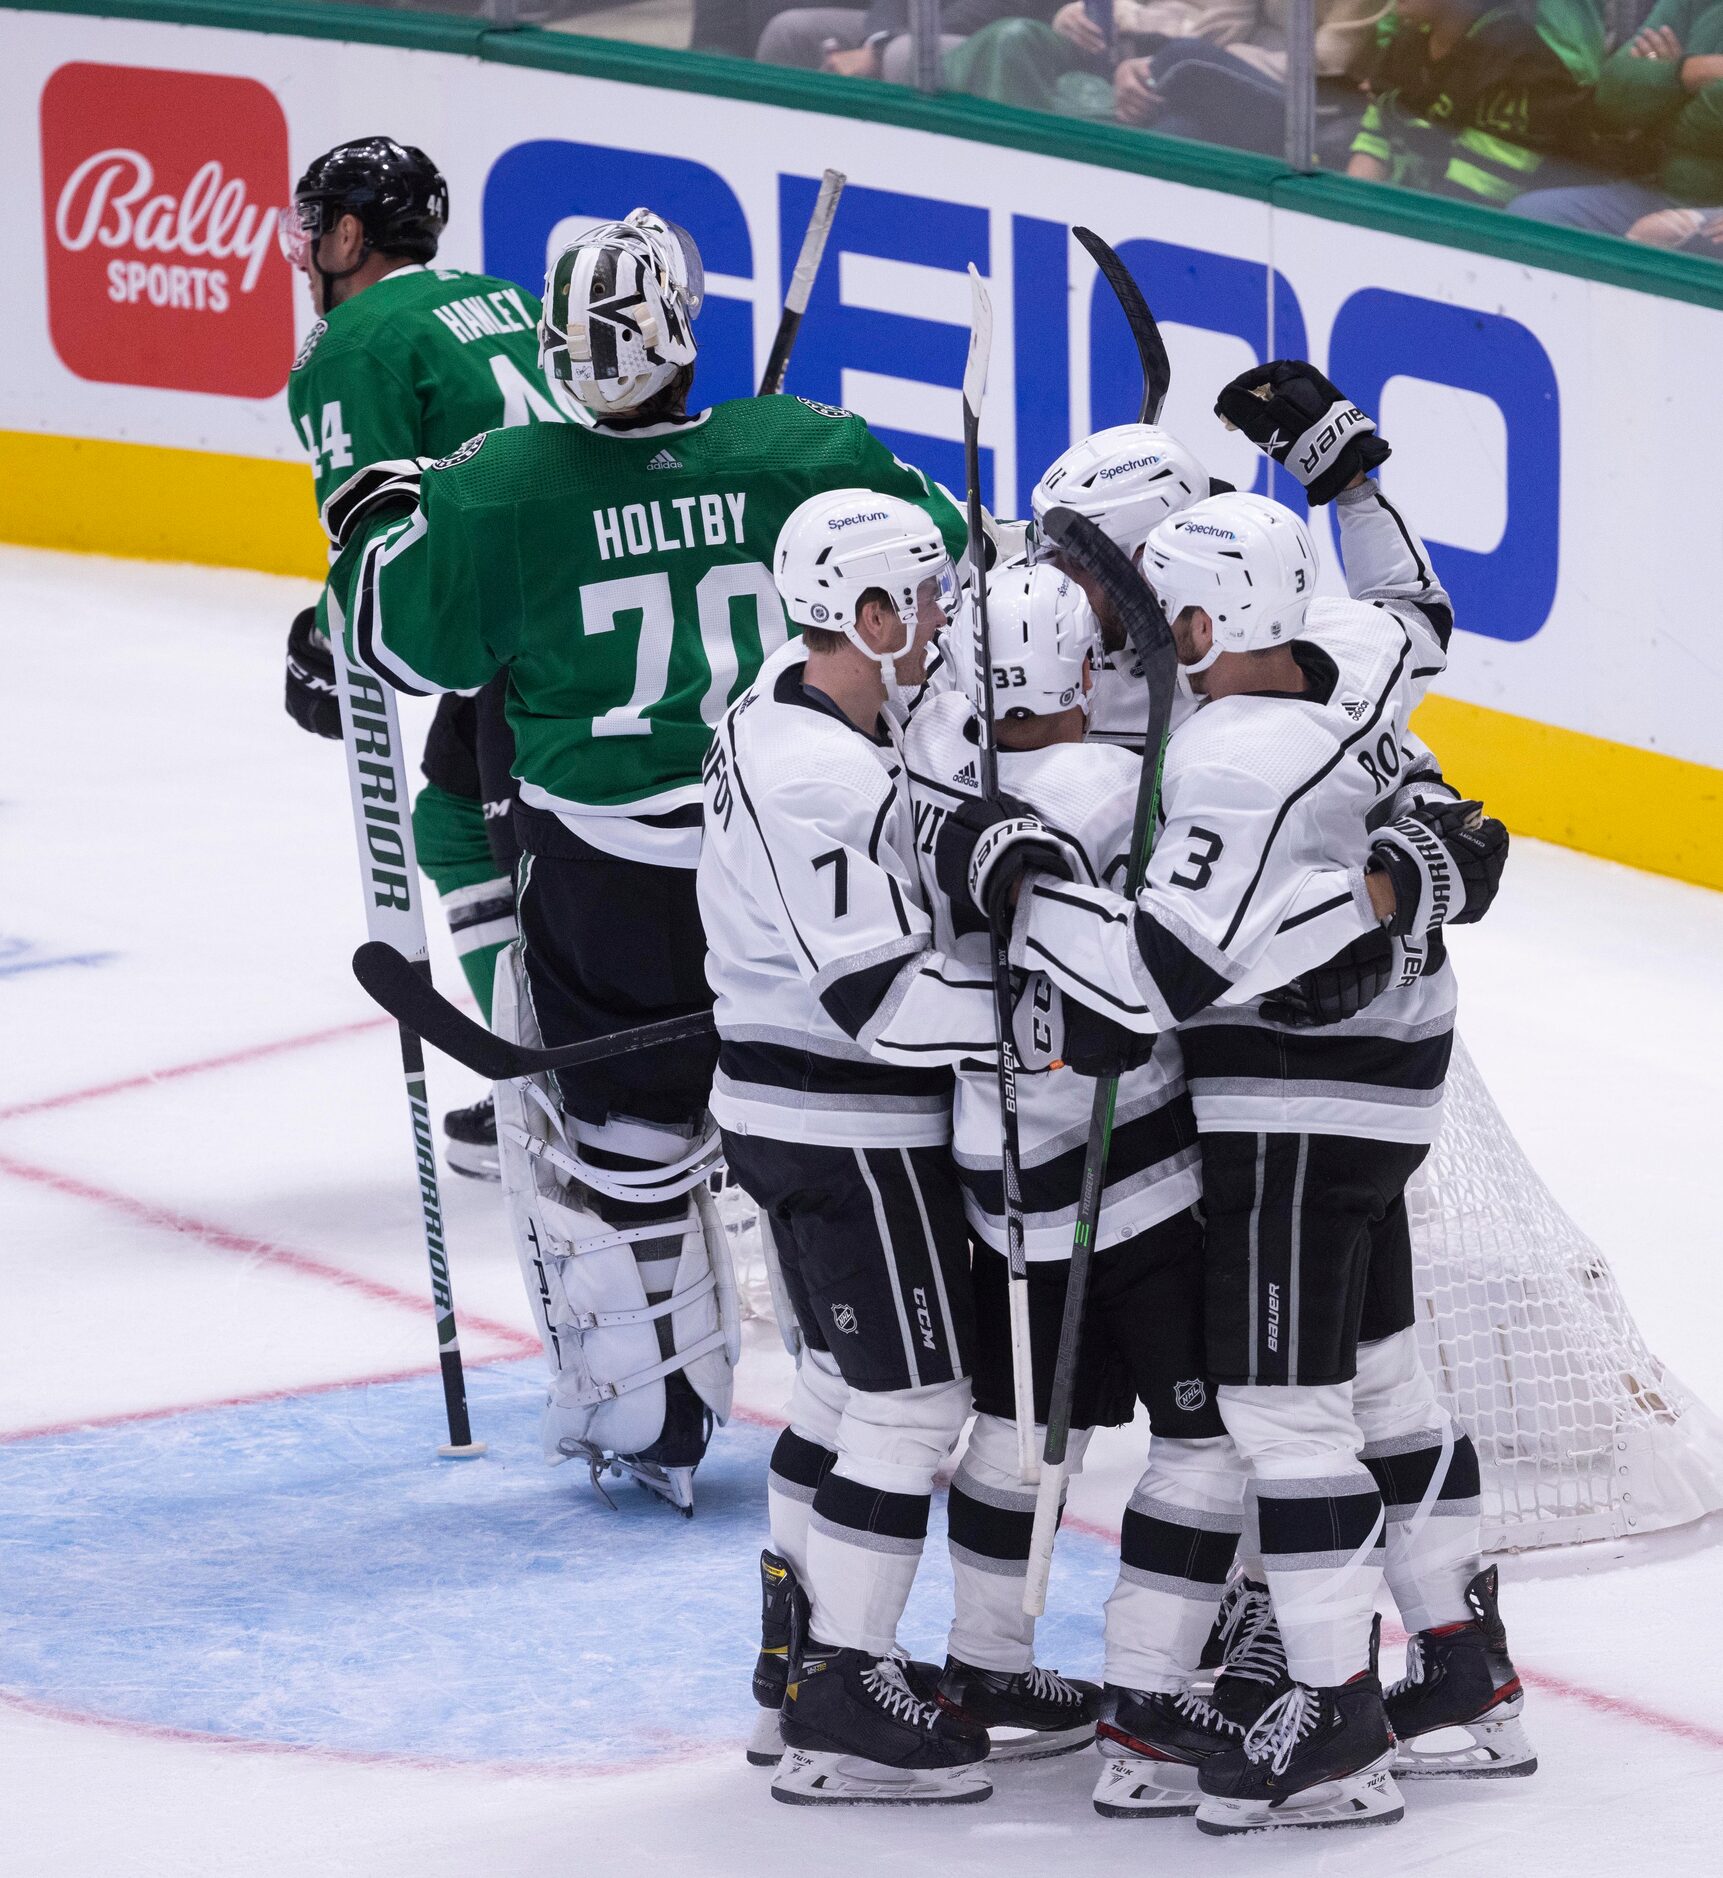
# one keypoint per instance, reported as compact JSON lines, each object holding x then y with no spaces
{"x":620,"y":576}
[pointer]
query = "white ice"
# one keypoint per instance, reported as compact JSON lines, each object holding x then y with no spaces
{"x":251,"y":1229}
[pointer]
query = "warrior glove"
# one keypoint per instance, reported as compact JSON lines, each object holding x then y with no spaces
{"x":1445,"y":861}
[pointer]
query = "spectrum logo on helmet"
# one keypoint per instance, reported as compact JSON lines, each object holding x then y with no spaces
{"x":160,"y":193}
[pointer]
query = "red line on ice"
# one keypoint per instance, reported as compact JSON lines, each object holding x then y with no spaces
{"x":170,"y":1220}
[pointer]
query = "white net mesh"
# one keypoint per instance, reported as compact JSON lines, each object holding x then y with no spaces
{"x":1581,"y":1432}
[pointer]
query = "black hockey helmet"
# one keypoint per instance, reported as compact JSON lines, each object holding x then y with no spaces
{"x":394,"y":189}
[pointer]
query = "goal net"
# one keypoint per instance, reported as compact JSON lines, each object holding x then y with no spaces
{"x":1581,"y":1432}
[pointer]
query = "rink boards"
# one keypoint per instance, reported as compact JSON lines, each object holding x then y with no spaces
{"x":1556,"y":433}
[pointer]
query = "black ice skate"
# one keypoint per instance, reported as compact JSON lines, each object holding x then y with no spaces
{"x":1460,"y":1677}
{"x":1155,"y":1743}
{"x":855,"y":1733}
{"x":470,"y":1141}
{"x":1314,"y":1757}
{"x":1248,"y":1656}
{"x":1029,"y":1715}
{"x":772,"y":1666}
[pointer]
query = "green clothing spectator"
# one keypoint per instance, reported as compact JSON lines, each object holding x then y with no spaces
{"x":1668,"y":84}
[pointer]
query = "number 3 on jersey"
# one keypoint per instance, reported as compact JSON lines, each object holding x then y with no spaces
{"x":333,"y":442}
{"x":610,"y":605}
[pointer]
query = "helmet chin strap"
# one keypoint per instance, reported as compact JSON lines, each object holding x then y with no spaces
{"x":328,"y":276}
{"x":896,"y":697}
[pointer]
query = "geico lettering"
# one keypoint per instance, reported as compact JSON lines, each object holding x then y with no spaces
{"x":101,"y":203}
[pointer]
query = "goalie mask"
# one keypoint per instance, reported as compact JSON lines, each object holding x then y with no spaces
{"x":619,"y":307}
{"x":1126,"y":480}
{"x":1246,"y":561}
{"x":837,"y":548}
{"x":1043,"y":634}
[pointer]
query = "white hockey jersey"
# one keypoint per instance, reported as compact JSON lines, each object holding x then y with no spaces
{"x":1087,"y":792}
{"x":838,"y":1020}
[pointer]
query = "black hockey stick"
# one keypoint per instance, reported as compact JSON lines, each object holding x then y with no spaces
{"x":802,"y":281}
{"x":1145,"y":623}
{"x":410,"y":997}
{"x":999,"y":929}
{"x":1151,"y":348}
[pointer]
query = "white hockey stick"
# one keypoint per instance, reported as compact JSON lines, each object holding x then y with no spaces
{"x":802,"y":280}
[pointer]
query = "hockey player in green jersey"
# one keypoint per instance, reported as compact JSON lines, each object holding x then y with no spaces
{"x":407,"y":360}
{"x":621,"y":577}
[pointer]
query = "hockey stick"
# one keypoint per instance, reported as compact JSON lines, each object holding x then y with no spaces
{"x":408,"y":995}
{"x":999,"y":929}
{"x":1151,"y":348}
{"x":802,"y":281}
{"x":394,"y":912}
{"x":1151,"y":639}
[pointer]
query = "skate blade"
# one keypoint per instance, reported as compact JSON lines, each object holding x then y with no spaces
{"x":766,"y":1743}
{"x":1132,"y":1786}
{"x":1367,"y":1798}
{"x":1028,"y":1744}
{"x":476,"y":1163}
{"x":1490,"y":1750}
{"x":806,"y":1778}
{"x":672,"y":1484}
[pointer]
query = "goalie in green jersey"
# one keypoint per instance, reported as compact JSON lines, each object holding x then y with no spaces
{"x":620,"y":576}
{"x":406,"y":360}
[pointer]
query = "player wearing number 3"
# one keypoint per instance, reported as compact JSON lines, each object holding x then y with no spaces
{"x":620,"y":575}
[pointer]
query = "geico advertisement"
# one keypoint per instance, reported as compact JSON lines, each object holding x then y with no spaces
{"x":1551,"y":434}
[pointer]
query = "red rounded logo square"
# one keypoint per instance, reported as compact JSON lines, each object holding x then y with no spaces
{"x":160,"y":192}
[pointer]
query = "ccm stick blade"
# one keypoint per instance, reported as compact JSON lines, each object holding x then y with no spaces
{"x":409,"y":997}
{"x":1151,"y":348}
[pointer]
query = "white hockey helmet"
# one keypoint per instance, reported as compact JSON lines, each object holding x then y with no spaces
{"x":619,"y":305}
{"x":1125,"y":480}
{"x":1042,"y":632}
{"x":1246,"y":561}
{"x":838,"y":547}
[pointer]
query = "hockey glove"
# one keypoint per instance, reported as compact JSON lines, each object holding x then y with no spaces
{"x":1096,"y":1046}
{"x":312,"y":701}
{"x":1445,"y":861}
{"x":379,"y":489}
{"x":1301,"y":419}
{"x":982,"y":850}
{"x":1331,"y":993}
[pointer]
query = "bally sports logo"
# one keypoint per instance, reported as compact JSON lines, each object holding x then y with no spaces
{"x":160,"y":196}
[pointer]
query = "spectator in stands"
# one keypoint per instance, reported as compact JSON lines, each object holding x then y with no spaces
{"x":1683,"y":231}
{"x":874,"y":42}
{"x":1664,"y":89}
{"x":1473,"y":99}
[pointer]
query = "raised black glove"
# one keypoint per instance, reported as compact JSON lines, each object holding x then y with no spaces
{"x":312,"y":701}
{"x":983,"y":848}
{"x":1298,"y":417}
{"x":1445,"y":860}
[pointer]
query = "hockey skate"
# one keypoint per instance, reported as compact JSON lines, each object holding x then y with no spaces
{"x":470,"y":1141}
{"x":1459,"y":1678}
{"x":1314,"y":1757}
{"x":856,"y":1734}
{"x":1246,"y":1653}
{"x":1028,"y":1715}
{"x":1155,"y":1743}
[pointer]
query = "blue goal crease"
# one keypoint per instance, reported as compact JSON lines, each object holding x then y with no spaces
{"x":304,"y":1571}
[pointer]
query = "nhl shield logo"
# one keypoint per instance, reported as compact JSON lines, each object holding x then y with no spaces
{"x":1188,"y":1397}
{"x":844,"y":1317}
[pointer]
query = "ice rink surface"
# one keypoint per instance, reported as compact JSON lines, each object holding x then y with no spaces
{"x":250,"y":1625}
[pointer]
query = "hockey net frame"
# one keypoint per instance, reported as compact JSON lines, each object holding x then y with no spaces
{"x":1582,"y":1434}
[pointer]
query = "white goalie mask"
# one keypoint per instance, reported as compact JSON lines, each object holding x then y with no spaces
{"x":838,"y":547}
{"x":1043,"y":633}
{"x":619,"y":306}
{"x":1246,"y":561}
{"x":1126,"y":480}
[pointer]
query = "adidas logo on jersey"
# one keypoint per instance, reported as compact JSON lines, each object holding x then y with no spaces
{"x":1355,"y":708}
{"x":967,"y":776}
{"x":665,"y":460}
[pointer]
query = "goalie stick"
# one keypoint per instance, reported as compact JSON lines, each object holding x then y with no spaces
{"x":999,"y":929}
{"x":1151,"y":348}
{"x":408,"y":995}
{"x":1145,"y":623}
{"x":802,"y":281}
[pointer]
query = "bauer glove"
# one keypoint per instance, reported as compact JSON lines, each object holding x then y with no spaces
{"x":312,"y":700}
{"x":1301,"y":419}
{"x":983,"y":848}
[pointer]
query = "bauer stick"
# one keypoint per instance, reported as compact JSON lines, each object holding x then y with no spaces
{"x":1145,"y":623}
{"x":802,"y":281}
{"x":408,"y":995}
{"x":395,"y":913}
{"x":999,"y":929}
{"x":1151,"y":348}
